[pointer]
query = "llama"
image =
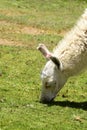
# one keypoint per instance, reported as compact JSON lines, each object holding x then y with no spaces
{"x":68,"y":59}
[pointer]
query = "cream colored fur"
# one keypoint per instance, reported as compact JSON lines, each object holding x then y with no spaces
{"x":72,"y":50}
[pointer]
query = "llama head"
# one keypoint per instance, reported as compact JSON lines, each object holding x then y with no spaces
{"x":52,"y":76}
{"x":52,"y":81}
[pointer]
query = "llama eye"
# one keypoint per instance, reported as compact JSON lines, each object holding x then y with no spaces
{"x":54,"y":83}
{"x":47,"y":85}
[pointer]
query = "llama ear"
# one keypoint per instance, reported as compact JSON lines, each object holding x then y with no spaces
{"x":48,"y":55}
{"x":55,"y":61}
{"x":43,"y":49}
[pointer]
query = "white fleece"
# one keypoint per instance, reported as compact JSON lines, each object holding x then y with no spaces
{"x":72,"y":50}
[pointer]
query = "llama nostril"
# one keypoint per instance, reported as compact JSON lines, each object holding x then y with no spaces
{"x":46,"y":101}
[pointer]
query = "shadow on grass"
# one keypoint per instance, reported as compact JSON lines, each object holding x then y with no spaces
{"x":78,"y":105}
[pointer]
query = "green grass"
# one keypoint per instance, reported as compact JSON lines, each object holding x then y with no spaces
{"x":44,"y":14}
{"x":20,"y":67}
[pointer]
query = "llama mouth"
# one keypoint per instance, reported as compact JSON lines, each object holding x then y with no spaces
{"x":46,"y":101}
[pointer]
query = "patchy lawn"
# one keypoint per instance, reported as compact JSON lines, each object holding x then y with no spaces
{"x":24,"y":24}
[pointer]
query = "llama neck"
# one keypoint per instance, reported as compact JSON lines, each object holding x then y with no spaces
{"x":72,"y":50}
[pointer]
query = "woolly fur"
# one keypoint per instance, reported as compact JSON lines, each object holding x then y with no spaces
{"x":72,"y":50}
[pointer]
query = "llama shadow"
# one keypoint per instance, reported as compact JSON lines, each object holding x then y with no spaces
{"x":71,"y":104}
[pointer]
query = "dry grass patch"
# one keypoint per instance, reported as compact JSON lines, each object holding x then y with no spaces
{"x":10,"y":43}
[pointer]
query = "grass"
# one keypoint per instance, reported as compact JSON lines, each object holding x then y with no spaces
{"x":20,"y":66}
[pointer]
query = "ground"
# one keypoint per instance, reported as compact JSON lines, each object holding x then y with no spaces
{"x":23,"y":25}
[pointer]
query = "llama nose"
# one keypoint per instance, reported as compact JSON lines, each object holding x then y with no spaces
{"x":46,"y":100}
